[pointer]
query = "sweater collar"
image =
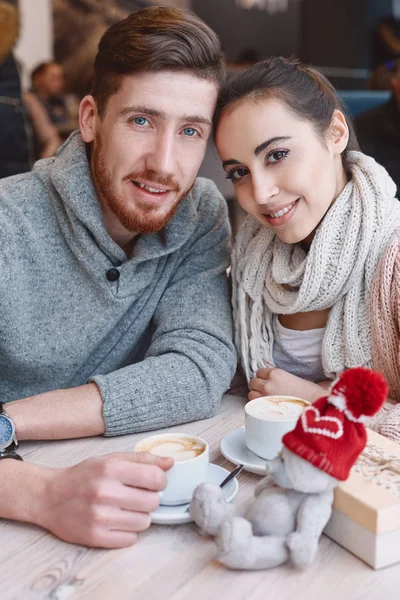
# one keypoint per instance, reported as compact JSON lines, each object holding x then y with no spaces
{"x":71,"y":177}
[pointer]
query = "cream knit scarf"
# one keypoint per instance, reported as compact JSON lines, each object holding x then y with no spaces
{"x":272,"y":277}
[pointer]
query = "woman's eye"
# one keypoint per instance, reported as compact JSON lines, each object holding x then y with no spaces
{"x":190,"y":132}
{"x":141,"y":121}
{"x":277,"y":156}
{"x":236,"y":174}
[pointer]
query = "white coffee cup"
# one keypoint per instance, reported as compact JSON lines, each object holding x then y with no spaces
{"x":267,"y":419}
{"x":191,"y":455}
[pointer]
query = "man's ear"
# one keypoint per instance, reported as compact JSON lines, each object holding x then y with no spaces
{"x":338,"y":132}
{"x":88,"y":117}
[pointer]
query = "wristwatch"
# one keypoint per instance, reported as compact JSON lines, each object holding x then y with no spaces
{"x":8,"y":437}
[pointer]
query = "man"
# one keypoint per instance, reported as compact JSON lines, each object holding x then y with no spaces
{"x":114,"y":306}
{"x":378,"y":130}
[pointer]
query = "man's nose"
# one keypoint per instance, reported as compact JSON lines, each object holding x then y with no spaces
{"x":264,"y":188}
{"x":162,"y":156}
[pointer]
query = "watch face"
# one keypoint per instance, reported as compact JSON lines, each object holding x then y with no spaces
{"x":6,"y":431}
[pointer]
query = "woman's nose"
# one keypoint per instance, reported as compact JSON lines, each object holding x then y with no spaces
{"x":264,"y":189}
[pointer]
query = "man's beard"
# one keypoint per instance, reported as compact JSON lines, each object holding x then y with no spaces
{"x":133,"y":215}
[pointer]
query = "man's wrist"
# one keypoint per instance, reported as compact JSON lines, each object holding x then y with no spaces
{"x":59,"y":414}
{"x":14,"y":413}
{"x":23,"y":490}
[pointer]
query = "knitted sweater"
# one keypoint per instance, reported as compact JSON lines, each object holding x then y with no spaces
{"x":385,"y":337}
{"x":157,"y":341}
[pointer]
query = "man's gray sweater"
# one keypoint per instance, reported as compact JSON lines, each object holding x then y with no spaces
{"x":157,"y":341}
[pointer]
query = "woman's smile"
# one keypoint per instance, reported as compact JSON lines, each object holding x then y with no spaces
{"x":283,"y":215}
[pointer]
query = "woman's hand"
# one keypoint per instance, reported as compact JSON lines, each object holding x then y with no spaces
{"x":277,"y":382}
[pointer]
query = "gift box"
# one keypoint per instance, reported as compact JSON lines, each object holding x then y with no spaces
{"x":366,"y":510}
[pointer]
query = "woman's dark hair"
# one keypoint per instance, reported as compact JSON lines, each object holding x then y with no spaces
{"x":305,"y":91}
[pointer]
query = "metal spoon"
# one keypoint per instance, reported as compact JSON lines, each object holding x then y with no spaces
{"x":227,"y":479}
{"x":231,"y":475}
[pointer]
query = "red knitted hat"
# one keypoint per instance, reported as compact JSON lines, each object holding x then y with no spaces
{"x":330,"y":434}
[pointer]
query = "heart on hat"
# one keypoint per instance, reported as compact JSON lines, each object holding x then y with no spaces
{"x":312,"y":422}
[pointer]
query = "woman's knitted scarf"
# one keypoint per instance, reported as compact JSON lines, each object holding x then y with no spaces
{"x":273,"y":277}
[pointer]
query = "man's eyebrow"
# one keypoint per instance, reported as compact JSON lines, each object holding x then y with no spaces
{"x":162,"y":115}
{"x":265,"y":145}
{"x":144,"y":109}
{"x":196,"y":119}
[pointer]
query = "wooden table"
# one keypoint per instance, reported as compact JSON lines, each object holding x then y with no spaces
{"x":169,"y":562}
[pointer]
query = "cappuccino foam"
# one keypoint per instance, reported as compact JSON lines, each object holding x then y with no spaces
{"x":179,"y":448}
{"x":276,"y":408}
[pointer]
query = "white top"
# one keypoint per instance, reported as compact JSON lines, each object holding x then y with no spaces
{"x":305,"y":345}
{"x":299,"y":352}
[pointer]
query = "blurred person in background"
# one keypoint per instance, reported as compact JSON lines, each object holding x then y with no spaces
{"x":49,"y":112}
{"x":14,"y":154}
{"x":53,"y":113}
{"x":386,"y":41}
{"x":76,"y":47}
{"x":44,"y":136}
{"x":381,"y":77}
{"x":48,"y":86}
{"x":378,"y":129}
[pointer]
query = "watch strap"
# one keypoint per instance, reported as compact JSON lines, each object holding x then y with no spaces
{"x":11,"y":454}
{"x":14,"y":444}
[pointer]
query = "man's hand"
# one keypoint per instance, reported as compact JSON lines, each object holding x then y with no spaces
{"x":103,"y":502}
{"x":277,"y":382}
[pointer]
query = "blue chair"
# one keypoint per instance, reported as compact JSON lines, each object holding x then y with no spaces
{"x":357,"y":101}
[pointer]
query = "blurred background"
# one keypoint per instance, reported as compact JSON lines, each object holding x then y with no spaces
{"x":47,"y":49}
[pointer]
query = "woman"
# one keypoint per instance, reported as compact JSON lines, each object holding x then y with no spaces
{"x":316,"y":264}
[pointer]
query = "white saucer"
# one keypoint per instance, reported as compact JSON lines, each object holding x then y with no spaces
{"x":234,"y":448}
{"x":175,"y":515}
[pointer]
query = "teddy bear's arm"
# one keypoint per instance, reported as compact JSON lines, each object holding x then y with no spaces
{"x":266,"y":483}
{"x":313,"y":515}
{"x":276,"y":471}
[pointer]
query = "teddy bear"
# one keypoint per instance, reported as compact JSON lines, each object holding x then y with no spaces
{"x":293,"y":503}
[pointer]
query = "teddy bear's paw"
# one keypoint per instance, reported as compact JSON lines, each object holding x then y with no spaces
{"x":240,"y":549}
{"x":303,"y":549}
{"x":208,"y":507}
{"x":233,"y":540}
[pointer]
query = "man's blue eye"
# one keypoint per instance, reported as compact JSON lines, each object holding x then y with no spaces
{"x":189,"y":131}
{"x":140,"y":121}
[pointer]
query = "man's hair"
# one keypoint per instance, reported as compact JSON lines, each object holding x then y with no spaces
{"x":154,"y":39}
